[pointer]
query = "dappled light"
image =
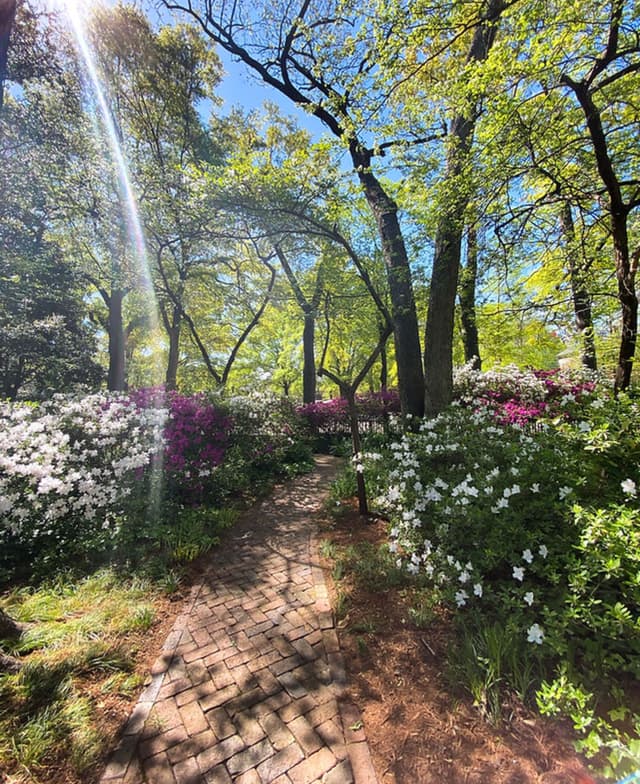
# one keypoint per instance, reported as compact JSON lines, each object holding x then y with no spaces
{"x":319,"y":444}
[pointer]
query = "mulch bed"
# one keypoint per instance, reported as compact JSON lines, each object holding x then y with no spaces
{"x":420,"y":729}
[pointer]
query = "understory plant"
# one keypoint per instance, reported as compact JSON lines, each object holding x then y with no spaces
{"x":530,"y":533}
{"x":77,"y":648}
{"x":107,"y":476}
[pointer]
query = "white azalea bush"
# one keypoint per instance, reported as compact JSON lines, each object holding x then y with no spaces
{"x":530,"y":534}
{"x":71,"y":472}
{"x":478,"y":508}
{"x":125,"y":476}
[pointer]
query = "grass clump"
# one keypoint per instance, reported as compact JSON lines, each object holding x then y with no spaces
{"x":78,"y":643}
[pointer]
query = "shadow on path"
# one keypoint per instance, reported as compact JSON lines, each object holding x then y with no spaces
{"x":247,"y":688}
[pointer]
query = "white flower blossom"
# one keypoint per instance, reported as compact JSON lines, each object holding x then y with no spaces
{"x":461,"y":598}
{"x":527,"y":555}
{"x":528,"y":597}
{"x":535,"y":634}
{"x":518,"y":573}
{"x":628,"y":487}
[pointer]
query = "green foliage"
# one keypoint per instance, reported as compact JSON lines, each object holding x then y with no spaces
{"x":342,"y":488}
{"x":192,"y":531}
{"x":423,"y":607}
{"x":370,"y":567}
{"x":530,"y":534}
{"x":490,"y":660}
{"x":75,"y":630}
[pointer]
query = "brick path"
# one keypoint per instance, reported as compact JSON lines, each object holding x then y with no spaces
{"x":247,"y":688}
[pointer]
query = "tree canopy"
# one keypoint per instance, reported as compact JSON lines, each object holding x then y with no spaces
{"x":476,"y":193}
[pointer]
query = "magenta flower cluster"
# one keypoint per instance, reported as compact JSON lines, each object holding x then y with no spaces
{"x":196,"y":435}
{"x":333,"y":414}
{"x":515,"y":407}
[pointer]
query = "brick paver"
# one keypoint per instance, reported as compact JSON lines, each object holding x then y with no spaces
{"x":247,"y":687}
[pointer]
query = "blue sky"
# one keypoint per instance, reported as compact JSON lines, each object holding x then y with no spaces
{"x":240,"y":88}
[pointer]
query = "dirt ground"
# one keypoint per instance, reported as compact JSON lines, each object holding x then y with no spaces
{"x":420,"y":730}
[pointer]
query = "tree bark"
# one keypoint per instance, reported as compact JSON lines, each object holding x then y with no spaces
{"x":625,"y":273}
{"x":579,"y":291}
{"x":625,"y":263}
{"x":384,"y":364}
{"x":7,"y":18}
{"x":467,"y":297}
{"x":403,"y":308}
{"x":310,"y":310}
{"x":309,"y":357}
{"x":9,"y":629}
{"x":438,"y":348}
{"x":173,"y":360}
{"x":116,"y":379}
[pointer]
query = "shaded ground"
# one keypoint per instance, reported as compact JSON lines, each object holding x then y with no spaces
{"x":248,"y":683}
{"x":419,"y":731}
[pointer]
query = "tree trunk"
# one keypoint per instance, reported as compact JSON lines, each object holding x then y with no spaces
{"x":9,"y":629}
{"x":309,"y":357}
{"x":579,"y":291}
{"x":467,"y":297}
{"x":116,"y":380}
{"x":438,"y":348}
{"x":625,"y":273}
{"x":310,"y":309}
{"x":7,"y":18}
{"x":618,"y":212}
{"x":173,"y":360}
{"x":403,"y":308}
{"x":384,"y":364}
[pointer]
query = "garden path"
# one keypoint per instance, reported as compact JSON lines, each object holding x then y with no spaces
{"x":248,"y":686}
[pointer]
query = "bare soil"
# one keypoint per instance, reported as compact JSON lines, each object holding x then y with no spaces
{"x":421,"y":730}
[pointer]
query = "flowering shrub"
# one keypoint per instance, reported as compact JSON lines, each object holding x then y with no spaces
{"x":532,"y":531}
{"x":196,"y":435}
{"x":81,"y":478}
{"x":268,"y":439}
{"x":333,"y":415}
{"x":70,"y":471}
{"x":521,"y":396}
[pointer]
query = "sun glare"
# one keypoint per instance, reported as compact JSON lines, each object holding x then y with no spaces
{"x":76,"y":13}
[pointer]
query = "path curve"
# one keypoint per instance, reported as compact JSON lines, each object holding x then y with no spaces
{"x":248,"y":688}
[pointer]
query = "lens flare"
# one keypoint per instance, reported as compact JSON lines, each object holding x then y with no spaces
{"x":75,"y":13}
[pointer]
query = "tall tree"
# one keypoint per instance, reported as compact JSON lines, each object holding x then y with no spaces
{"x":293,"y":50}
{"x":438,"y":348}
{"x":577,"y":269}
{"x":310,"y":307}
{"x":618,"y":63}
{"x":467,"y":297}
{"x":46,"y":342}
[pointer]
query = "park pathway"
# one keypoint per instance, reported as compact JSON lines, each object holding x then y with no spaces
{"x":249,"y":685}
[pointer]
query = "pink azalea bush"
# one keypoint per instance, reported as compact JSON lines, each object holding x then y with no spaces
{"x":196,"y":436}
{"x":333,"y":415}
{"x":520,"y":397}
